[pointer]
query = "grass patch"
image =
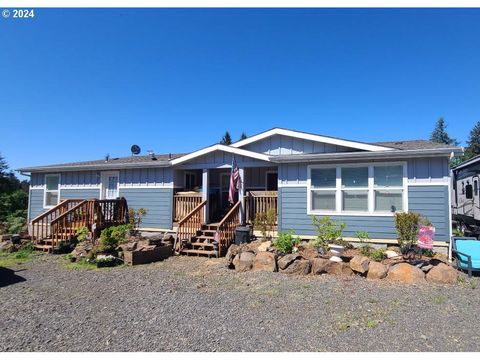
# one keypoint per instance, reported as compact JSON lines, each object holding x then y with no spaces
{"x":21,"y":256}
{"x":81,"y":265}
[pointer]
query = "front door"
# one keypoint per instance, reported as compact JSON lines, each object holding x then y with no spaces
{"x":110,"y":185}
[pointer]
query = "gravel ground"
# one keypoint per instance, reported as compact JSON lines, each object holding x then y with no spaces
{"x":196,"y":304}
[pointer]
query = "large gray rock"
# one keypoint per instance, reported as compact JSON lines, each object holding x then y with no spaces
{"x":442,"y":274}
{"x":265,"y":261}
{"x":320,"y":266}
{"x":231,"y":253}
{"x":286,"y":260}
{"x":8,"y":246}
{"x":376,"y":270}
{"x":359,"y":264}
{"x":245,"y":261}
{"x":298,"y":267}
{"x":406,"y":273}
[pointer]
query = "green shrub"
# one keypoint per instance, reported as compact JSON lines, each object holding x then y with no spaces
{"x":378,"y":254}
{"x":82,"y":233}
{"x":365,"y":249}
{"x":112,"y":236}
{"x":407,"y":225}
{"x":328,"y":232}
{"x":135,"y":217}
{"x":265,"y":222}
{"x":286,"y":242}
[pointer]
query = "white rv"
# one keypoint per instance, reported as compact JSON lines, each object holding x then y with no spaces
{"x":465,"y":195}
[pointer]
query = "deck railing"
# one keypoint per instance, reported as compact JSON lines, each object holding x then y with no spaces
{"x":225,"y":233}
{"x":260,"y":202}
{"x":61,"y":222}
{"x":190,"y":224}
{"x":183,"y":204}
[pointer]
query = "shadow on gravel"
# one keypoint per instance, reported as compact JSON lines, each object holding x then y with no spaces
{"x":8,"y":277}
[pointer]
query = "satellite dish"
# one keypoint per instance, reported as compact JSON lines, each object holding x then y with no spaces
{"x":135,"y":149}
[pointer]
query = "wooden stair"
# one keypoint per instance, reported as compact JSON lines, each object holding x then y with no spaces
{"x":202,"y":242}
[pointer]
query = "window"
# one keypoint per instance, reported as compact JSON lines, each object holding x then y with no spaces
{"x":388,"y":186}
{"x":357,"y":189}
{"x":468,"y":191}
{"x":323,"y":185}
{"x":51,"y":190}
{"x":354,"y":188}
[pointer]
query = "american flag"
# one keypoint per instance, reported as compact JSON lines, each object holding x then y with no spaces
{"x":235,"y":182}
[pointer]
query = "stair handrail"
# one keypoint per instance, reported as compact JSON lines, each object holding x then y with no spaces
{"x":63,"y":229}
{"x":226,"y":228}
{"x":45,"y":218}
{"x":186,"y":228}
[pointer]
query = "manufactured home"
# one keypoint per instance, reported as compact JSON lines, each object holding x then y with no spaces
{"x":295,"y":173}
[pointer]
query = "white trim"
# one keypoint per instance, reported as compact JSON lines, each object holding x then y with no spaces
{"x":450,"y":231}
{"x":371,"y":189}
{"x":292,"y":185}
{"x":432,"y":183}
{"x":170,"y":186}
{"x":266,"y":177}
{"x":312,"y":137}
{"x":108,"y":173}
{"x":80,"y":187}
{"x":45,"y":206}
{"x":220,"y":147}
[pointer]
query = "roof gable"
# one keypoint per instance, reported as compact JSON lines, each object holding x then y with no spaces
{"x":348,"y":144}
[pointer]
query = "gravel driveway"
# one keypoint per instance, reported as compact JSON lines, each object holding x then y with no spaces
{"x":196,"y":304}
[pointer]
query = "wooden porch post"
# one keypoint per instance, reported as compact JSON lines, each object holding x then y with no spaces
{"x":241,"y":195}
{"x":205,"y":181}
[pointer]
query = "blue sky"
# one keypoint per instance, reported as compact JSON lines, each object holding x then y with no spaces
{"x":77,"y":84}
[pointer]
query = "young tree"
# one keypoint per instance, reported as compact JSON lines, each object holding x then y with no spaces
{"x":227,"y":139}
{"x":473,"y":143}
{"x":243,"y":136}
{"x":3,"y":166}
{"x":440,"y":135}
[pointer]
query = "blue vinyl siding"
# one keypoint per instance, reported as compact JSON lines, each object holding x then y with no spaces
{"x":431,"y":201}
{"x":35,"y":203}
{"x":157,"y":201}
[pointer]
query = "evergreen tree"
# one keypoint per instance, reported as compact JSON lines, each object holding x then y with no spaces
{"x":227,"y":139}
{"x":243,"y":136}
{"x":3,"y":166}
{"x":473,"y":143}
{"x":440,"y":135}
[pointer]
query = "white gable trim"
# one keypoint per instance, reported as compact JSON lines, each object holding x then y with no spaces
{"x":312,"y":137}
{"x":220,"y":147}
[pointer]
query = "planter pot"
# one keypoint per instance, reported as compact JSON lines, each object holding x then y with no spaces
{"x":337,"y":251}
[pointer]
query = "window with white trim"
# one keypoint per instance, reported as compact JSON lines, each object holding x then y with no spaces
{"x":323,"y":189}
{"x":357,"y":189}
{"x":51,"y":190}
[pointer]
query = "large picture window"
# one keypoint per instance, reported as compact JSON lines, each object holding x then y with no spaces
{"x":357,"y":189}
{"x":51,"y":190}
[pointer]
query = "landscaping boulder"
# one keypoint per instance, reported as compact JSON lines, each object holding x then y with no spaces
{"x":339,"y":268}
{"x":245,"y":261}
{"x":264,"y":246}
{"x":406,"y":273}
{"x":8,"y":246}
{"x":309,"y":253}
{"x":81,"y":250}
{"x":442,"y":274}
{"x":359,"y":264}
{"x":320,"y":266}
{"x":391,"y":254}
{"x":298,"y":267}
{"x":394,"y":248}
{"x":286,"y":260}
{"x":265,"y":261}
{"x":231,"y":253}
{"x":168,"y":238}
{"x":376,"y":270}
{"x":5,"y":237}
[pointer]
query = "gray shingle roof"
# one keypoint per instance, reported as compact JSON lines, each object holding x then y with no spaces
{"x":413,"y":145}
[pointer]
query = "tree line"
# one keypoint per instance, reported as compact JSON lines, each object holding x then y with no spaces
{"x":440,"y":135}
{"x":13,"y":201}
